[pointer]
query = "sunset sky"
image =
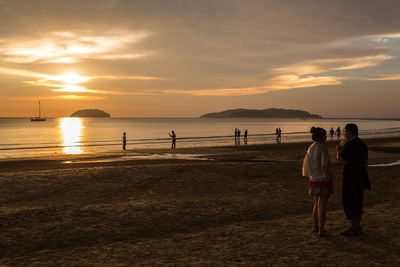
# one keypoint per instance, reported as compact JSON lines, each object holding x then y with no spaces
{"x":189,"y":57}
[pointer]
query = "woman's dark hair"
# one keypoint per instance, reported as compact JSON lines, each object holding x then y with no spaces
{"x":351,"y":127}
{"x":317,"y":133}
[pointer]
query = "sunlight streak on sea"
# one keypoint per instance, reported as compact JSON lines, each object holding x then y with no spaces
{"x":71,"y":132}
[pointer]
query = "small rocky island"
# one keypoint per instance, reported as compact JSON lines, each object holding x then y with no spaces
{"x":90,"y":113}
{"x":263,"y":113}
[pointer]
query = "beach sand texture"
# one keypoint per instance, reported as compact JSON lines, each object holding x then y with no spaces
{"x":246,"y":205}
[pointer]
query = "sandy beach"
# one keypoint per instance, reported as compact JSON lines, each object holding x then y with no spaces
{"x":220,"y":206}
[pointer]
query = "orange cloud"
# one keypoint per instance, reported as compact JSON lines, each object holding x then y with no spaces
{"x":80,"y":97}
{"x":386,"y":78}
{"x":325,"y":65}
{"x":70,"y":47}
{"x":283,"y":82}
{"x":25,"y":73}
{"x":65,"y":97}
{"x":122,"y":77}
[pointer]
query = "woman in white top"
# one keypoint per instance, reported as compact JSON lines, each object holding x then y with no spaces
{"x":317,"y":166}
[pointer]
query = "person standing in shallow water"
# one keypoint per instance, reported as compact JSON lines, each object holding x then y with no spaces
{"x":236,"y":133}
{"x":338,"y":133}
{"x":124,"y":141}
{"x":173,"y":141}
{"x":331,"y":133}
{"x":353,"y":154}
{"x":278,"y":133}
{"x":245,"y":137}
{"x":317,"y":166}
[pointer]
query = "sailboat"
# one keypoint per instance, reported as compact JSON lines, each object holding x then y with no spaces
{"x":38,"y":118}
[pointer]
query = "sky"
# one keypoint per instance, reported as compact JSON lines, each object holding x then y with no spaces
{"x":184,"y":58}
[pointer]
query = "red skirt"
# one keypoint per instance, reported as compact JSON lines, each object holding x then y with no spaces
{"x":321,"y":188}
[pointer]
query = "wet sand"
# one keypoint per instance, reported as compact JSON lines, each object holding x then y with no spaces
{"x":245,"y":205}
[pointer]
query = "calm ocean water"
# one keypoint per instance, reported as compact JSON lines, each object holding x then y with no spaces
{"x":19,"y":137}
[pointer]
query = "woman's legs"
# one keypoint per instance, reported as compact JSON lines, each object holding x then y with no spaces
{"x":322,"y":201}
{"x":315,"y":215}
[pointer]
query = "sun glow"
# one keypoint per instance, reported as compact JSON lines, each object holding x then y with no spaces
{"x":68,"y":82}
{"x":70,"y":88}
{"x":71,"y":130}
{"x":70,"y":78}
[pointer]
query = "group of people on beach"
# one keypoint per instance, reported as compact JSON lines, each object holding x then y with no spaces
{"x":353,"y":154}
{"x":237,"y":136}
{"x":171,"y":134}
{"x":278,"y":133}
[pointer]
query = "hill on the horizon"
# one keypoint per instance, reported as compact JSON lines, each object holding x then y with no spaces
{"x":263,"y":113}
{"x":90,"y":113}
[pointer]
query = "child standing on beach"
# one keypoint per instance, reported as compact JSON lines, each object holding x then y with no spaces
{"x":317,"y":166}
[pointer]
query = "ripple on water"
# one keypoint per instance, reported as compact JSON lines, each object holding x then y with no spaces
{"x":144,"y":156}
{"x":385,"y":164}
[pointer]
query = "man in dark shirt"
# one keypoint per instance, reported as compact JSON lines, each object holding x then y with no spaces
{"x":354,"y":155}
{"x":173,"y":140}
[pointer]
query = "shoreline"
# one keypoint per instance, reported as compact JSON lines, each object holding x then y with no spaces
{"x":387,"y":148}
{"x":372,"y":140}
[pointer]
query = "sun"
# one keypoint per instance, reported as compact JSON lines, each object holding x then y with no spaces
{"x":68,"y":82}
{"x":70,"y":78}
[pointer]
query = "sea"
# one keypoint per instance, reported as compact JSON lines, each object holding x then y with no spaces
{"x":19,"y":137}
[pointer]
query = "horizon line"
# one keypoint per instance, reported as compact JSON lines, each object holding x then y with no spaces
{"x":199,"y":117}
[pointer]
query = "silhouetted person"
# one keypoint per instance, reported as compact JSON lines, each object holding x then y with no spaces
{"x":354,"y":156}
{"x":338,"y":133}
{"x":124,"y":141}
{"x":278,"y":133}
{"x":236,"y":133}
{"x":173,"y":141}
{"x":245,"y":136}
{"x":238,"y":137}
{"x":331,"y":133}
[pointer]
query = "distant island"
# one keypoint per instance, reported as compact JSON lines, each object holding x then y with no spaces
{"x":90,"y":113}
{"x":263,"y":113}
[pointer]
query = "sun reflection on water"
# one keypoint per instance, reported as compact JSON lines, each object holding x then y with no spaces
{"x":71,"y":129}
